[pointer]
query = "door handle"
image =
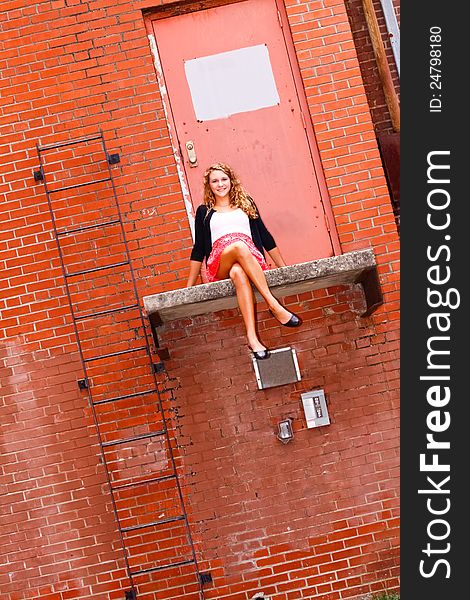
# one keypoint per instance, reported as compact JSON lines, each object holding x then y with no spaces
{"x":192,"y":158}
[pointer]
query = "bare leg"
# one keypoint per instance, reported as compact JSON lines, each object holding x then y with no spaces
{"x":246,"y":302}
{"x":238,"y":252}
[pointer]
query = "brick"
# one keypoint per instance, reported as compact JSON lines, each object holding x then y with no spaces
{"x":72,"y":69}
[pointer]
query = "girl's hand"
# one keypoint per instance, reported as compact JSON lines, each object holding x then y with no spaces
{"x":277,"y":258}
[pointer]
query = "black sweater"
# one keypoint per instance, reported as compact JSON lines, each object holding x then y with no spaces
{"x":203,"y":239}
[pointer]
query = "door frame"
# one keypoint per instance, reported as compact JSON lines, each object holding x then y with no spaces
{"x":185,"y":6}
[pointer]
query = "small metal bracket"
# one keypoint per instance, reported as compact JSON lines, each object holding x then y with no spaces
{"x":372,"y":291}
{"x":163,"y":353}
{"x":205,"y":577}
{"x":131,"y":595}
{"x":113,"y":159}
{"x":158,"y":367}
{"x":38,"y":175}
{"x":155,"y":321}
{"x":83,"y":384}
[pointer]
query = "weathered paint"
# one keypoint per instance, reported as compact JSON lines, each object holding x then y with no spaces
{"x":173,"y":139}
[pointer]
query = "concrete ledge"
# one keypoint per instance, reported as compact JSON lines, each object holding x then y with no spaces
{"x":352,"y":267}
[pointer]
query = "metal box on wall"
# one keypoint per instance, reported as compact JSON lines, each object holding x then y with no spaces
{"x":280,"y":368}
{"x":315,"y":408}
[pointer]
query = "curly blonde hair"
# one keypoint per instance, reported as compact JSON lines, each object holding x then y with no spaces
{"x":237,"y":195}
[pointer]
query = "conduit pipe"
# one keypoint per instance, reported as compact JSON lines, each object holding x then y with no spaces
{"x":393,"y":30}
{"x":384,"y":71}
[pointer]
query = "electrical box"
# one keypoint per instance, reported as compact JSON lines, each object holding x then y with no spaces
{"x":279,"y":369}
{"x":315,"y":408}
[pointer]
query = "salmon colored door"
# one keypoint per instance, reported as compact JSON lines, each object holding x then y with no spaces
{"x":232,"y":98}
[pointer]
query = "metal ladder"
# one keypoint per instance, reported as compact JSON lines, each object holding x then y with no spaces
{"x":137,"y":448}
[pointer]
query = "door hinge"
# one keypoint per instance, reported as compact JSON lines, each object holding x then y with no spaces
{"x":303,"y":119}
{"x":327,"y":222}
{"x":279,"y":19}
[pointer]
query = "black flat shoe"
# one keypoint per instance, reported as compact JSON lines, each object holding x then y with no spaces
{"x":294,"y":321}
{"x":260,"y":354}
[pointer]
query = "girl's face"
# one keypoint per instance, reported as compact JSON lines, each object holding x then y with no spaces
{"x":219,"y":183}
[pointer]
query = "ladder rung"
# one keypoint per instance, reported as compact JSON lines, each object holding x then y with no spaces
{"x":119,"y":264}
{"x":116,"y":398}
{"x":144,"y":436}
{"x":126,"y":486}
{"x":69,"y":143}
{"x":111,"y":354}
{"x":87,"y":227}
{"x":154,"y":523}
{"x":105,"y":312}
{"x":169,"y":566}
{"x":78,"y":185}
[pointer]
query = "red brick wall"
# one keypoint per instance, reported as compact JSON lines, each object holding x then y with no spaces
{"x":57,"y":531}
{"x":316,"y":518}
{"x":69,"y":68}
{"x":365,"y":52}
{"x":388,"y":138}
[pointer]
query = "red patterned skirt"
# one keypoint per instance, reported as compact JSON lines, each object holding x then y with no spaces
{"x":227,"y":240}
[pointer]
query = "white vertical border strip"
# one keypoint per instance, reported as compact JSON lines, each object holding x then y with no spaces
{"x":393,"y":29}
{"x":173,"y":137}
{"x":296,"y":363}
{"x":258,"y":378}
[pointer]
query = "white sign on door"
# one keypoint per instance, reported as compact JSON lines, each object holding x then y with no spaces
{"x":231,"y":82}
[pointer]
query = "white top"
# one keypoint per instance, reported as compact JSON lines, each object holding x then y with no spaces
{"x":235,"y":221}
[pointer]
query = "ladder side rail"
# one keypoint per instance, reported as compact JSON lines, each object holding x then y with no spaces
{"x":89,"y":393}
{"x":147,"y":348}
